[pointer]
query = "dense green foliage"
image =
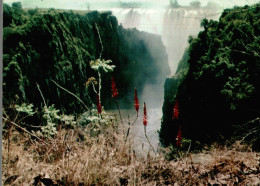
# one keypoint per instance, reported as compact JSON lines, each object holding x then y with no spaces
{"x":221,"y":87}
{"x":44,"y":45}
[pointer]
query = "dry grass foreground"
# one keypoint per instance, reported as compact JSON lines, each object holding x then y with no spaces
{"x":73,"y":157}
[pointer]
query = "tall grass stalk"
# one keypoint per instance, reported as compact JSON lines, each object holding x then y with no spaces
{"x":107,"y":159}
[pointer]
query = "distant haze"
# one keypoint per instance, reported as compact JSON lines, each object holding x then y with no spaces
{"x":152,"y":16}
{"x":95,"y":4}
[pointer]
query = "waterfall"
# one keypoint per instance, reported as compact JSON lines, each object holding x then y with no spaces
{"x":174,"y":25}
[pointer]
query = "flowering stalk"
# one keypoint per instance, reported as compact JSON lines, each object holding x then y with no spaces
{"x":176,"y":111}
{"x":99,"y":66}
{"x":136,"y":102}
{"x":114,"y":89}
{"x":114,"y":95}
{"x":145,"y":121}
{"x":128,"y":130}
{"x":179,"y":138}
{"x":99,"y":107}
{"x":99,"y":86}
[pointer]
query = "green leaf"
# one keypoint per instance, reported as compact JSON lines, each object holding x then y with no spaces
{"x":28,"y":109}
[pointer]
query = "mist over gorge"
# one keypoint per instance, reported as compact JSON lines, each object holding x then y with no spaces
{"x":174,"y":25}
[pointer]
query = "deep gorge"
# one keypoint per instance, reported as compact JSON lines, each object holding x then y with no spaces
{"x":216,"y":78}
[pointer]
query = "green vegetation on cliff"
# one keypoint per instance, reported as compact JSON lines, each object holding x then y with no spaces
{"x":221,"y":88}
{"x":45,"y":45}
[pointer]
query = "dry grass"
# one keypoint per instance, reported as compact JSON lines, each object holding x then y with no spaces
{"x":107,"y":160}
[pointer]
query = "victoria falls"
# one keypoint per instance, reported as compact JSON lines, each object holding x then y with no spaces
{"x":131,"y":92}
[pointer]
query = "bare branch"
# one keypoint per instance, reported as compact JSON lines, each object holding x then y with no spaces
{"x":70,"y":93}
{"x":16,"y":125}
{"x":102,"y":48}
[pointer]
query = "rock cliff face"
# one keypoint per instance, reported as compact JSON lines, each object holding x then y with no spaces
{"x":43,"y":45}
{"x":218,"y":87}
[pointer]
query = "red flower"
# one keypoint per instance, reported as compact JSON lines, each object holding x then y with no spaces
{"x":99,"y":107}
{"x":176,"y":110}
{"x":178,"y":138}
{"x":145,"y":120}
{"x":136,"y":102}
{"x":114,"y":90}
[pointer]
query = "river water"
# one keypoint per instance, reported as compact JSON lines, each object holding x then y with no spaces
{"x":137,"y":135}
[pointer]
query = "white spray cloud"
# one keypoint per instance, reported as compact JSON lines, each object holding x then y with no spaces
{"x":82,"y":4}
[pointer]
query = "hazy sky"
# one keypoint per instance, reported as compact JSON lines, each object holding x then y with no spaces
{"x":82,"y":4}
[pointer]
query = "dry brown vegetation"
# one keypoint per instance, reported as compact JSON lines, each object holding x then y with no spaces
{"x":74,"y":157}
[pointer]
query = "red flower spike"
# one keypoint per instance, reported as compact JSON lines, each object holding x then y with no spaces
{"x":179,"y":138}
{"x":99,"y":107}
{"x":145,"y":120}
{"x":114,"y":90}
{"x":176,"y":111}
{"x":136,"y":102}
